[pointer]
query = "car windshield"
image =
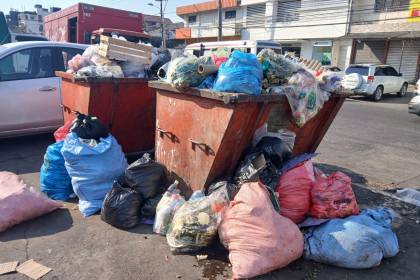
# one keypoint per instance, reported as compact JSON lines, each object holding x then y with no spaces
{"x":361,"y":70}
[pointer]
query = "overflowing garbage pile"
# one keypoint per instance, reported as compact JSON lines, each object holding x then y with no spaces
{"x":266,"y":73}
{"x":95,"y":63}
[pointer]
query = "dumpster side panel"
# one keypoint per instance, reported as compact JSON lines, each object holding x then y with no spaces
{"x":134,"y":115}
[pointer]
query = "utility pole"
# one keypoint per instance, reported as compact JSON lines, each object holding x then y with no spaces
{"x":162,"y":23}
{"x":219,"y":35}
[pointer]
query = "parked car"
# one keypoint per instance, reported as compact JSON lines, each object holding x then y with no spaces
{"x":414,"y":104}
{"x":378,"y":79}
{"x":30,"y":94}
{"x":417,"y":88}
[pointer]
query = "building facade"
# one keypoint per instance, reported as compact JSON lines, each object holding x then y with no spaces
{"x":152,"y":26}
{"x":29,"y":21}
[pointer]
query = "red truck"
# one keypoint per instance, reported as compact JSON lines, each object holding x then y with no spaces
{"x":76,"y":23}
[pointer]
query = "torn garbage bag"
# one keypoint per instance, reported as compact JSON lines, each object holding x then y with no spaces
{"x":195,"y":223}
{"x":354,"y":242}
{"x":332,"y":196}
{"x":93,"y":167}
{"x":147,"y":177}
{"x":166,"y":208}
{"x":242,"y":73}
{"x":54,"y":180}
{"x":259,"y":240}
{"x":121,"y":206}
{"x":88,"y":127}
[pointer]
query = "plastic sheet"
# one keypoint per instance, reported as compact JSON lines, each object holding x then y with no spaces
{"x":333,"y":197}
{"x":133,"y":69}
{"x":242,"y":73}
{"x":166,"y":208}
{"x":54,"y":180}
{"x":102,"y":71}
{"x":355,"y":242}
{"x":195,"y":223}
{"x":259,"y":240}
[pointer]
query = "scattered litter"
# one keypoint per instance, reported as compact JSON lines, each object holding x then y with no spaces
{"x":332,"y":196}
{"x":8,"y":267}
{"x":33,"y":269}
{"x":20,"y":203}
{"x":259,"y":240}
{"x":354,"y":242}
{"x":201,"y":257}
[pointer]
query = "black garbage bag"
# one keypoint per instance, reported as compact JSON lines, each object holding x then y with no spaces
{"x":88,"y":127}
{"x":250,"y":168}
{"x":231,"y":188}
{"x":274,"y":150}
{"x":147,"y":177}
{"x":163,"y":56}
{"x":121,"y":206}
{"x":149,"y":207}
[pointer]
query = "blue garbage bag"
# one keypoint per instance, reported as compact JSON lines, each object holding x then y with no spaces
{"x":93,"y":169}
{"x":354,"y":242}
{"x":54,"y":180}
{"x":241,"y":73}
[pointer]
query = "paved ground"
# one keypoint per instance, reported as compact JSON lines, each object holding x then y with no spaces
{"x":379,"y":140}
{"x":79,"y":248}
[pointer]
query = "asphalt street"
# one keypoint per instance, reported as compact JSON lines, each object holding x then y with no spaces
{"x":379,"y":140}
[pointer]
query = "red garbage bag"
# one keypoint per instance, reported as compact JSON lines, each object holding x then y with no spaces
{"x":259,"y":240}
{"x":294,"y":192}
{"x":333,"y":197}
{"x":218,"y":60}
{"x":61,"y":133}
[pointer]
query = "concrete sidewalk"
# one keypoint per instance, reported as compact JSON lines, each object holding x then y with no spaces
{"x":87,"y":248}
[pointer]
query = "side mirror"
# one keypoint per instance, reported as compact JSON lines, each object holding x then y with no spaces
{"x":399,"y":74}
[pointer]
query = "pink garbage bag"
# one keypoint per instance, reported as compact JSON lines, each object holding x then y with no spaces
{"x":259,"y":240}
{"x":19,"y":203}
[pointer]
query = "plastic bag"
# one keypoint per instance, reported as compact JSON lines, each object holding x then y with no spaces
{"x":54,"y":180}
{"x":149,"y":207}
{"x":61,"y":133}
{"x":121,"y":206}
{"x":259,"y":240}
{"x":133,"y":69}
{"x":241,"y":73}
{"x":89,"y":127}
{"x":230,"y":188}
{"x":163,"y":57}
{"x":330,"y":81}
{"x":19,"y":203}
{"x":409,"y":195}
{"x":182,"y":71}
{"x":101,"y":71}
{"x":333,"y":197}
{"x":294,"y":192}
{"x":355,"y":242}
{"x":166,"y":208}
{"x":77,"y":62}
{"x":274,"y":149}
{"x":147,"y":177}
{"x":92,"y":169}
{"x":195,"y":223}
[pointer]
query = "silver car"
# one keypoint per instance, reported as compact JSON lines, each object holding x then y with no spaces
{"x":30,"y":93}
{"x":414,"y":105}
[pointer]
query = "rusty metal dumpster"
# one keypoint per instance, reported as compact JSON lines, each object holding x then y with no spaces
{"x":201,"y":135}
{"x":126,"y":105}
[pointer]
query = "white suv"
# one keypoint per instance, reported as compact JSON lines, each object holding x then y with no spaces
{"x":378,"y":79}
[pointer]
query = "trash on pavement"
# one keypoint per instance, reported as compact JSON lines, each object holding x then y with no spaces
{"x":54,"y":180}
{"x":148,"y":210}
{"x":409,"y":195}
{"x":61,"y":133}
{"x":195,"y":223}
{"x":93,"y":168}
{"x":33,"y":269}
{"x":8,"y":267}
{"x":88,"y":127}
{"x":294,"y":191}
{"x":166,"y":208}
{"x":354,"y":242}
{"x":240,"y":73}
{"x":332,"y":196}
{"x":19,"y":202}
{"x":121,"y":206}
{"x":259,"y":240}
{"x":147,"y":177}
{"x":304,"y":95}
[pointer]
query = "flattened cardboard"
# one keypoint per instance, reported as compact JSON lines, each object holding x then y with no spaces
{"x":8,"y":267}
{"x":33,"y":269}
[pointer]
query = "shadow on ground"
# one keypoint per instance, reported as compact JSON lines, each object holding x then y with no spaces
{"x":387,"y":98}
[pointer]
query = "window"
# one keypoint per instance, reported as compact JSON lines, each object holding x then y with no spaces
{"x":322,"y":54}
{"x":230,"y":14}
{"x":380,"y":72}
{"x":391,"y":5}
{"x":255,"y":14}
{"x":27,"y":64}
{"x":361,"y":70}
{"x":192,"y":19}
{"x":390,"y":71}
{"x":288,"y":11}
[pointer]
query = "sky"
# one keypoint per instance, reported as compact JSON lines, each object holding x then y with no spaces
{"x":131,"y":5}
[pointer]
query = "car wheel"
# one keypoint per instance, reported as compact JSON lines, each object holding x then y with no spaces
{"x":403,"y":90}
{"x":377,"y":94}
